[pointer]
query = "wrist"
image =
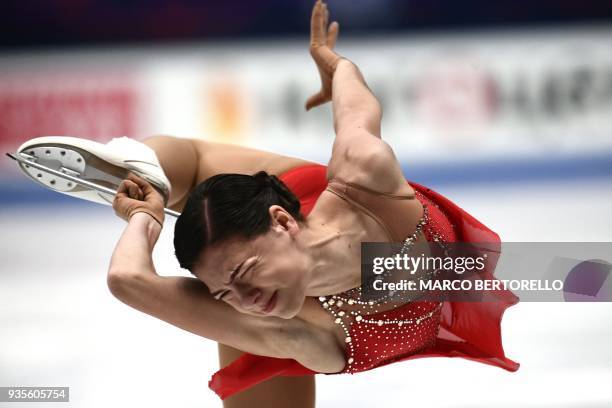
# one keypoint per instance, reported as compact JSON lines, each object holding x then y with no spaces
{"x":146,"y":220}
{"x":344,"y":63}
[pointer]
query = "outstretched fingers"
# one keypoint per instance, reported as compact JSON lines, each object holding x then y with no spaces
{"x":318,"y":26}
{"x":323,"y":38}
{"x":332,"y":34}
{"x":325,"y":17}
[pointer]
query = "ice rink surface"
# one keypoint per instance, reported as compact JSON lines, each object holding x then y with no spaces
{"x":60,"y":326}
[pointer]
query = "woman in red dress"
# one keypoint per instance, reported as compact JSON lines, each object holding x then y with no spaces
{"x":276,"y":260}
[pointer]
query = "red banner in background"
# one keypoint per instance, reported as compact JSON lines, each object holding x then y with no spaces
{"x":97,"y":107}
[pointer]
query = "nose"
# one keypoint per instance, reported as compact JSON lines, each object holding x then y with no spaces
{"x":249,"y":298}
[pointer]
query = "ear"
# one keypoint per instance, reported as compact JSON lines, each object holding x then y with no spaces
{"x":282,"y":220}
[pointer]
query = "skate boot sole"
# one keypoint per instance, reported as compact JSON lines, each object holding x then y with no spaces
{"x":76,"y":162}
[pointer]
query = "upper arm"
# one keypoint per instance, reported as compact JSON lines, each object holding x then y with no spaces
{"x":188,"y":162}
{"x":187,"y":303}
{"x":216,"y":158}
{"x":362,"y":158}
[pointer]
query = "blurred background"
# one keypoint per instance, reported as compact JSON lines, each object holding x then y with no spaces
{"x":504,"y":107}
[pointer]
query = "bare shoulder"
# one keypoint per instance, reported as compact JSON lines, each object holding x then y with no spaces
{"x":368,"y":161}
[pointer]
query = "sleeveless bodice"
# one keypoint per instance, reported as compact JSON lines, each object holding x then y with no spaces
{"x":377,"y":338}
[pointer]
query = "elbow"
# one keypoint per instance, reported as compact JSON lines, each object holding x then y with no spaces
{"x":132,"y":289}
{"x":119,"y":283}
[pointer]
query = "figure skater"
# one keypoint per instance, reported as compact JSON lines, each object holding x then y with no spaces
{"x":273,"y":243}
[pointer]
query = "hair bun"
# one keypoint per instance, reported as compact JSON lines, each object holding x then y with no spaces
{"x":270,"y":180}
{"x":263,"y":178}
{"x":286,"y":196}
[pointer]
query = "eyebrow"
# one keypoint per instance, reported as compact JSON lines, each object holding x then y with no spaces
{"x":231,"y":278}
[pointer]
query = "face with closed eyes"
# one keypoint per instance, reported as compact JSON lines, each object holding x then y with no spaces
{"x":262,"y":276}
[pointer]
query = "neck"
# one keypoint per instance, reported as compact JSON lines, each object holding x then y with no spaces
{"x":328,"y":253}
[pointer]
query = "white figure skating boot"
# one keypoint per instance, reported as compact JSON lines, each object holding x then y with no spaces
{"x":97,"y":164}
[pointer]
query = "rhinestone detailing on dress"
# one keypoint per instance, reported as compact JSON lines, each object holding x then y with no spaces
{"x":375,"y":337}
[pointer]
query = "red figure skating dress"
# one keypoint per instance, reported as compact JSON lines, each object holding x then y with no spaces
{"x":470,"y":330}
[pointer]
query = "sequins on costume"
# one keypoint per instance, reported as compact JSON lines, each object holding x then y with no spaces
{"x":374,"y":338}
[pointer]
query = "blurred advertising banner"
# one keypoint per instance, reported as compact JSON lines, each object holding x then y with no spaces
{"x":58,"y":102}
{"x":445,"y":97}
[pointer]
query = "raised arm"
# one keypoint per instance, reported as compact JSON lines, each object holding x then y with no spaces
{"x":186,"y":302}
{"x":356,"y":109}
{"x":358,"y":155}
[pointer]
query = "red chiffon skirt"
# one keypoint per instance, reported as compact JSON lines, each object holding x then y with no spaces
{"x":470,"y":330}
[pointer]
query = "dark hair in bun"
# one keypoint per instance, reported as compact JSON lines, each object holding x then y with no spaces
{"x":228,"y":205}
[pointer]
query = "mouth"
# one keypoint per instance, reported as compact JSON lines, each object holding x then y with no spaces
{"x":271,"y":303}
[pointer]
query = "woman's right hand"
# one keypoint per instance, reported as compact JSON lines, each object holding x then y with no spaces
{"x":322,"y":42}
{"x":136,"y":195}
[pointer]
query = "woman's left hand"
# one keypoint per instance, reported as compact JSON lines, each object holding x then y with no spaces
{"x":136,"y":195}
{"x":322,"y":42}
